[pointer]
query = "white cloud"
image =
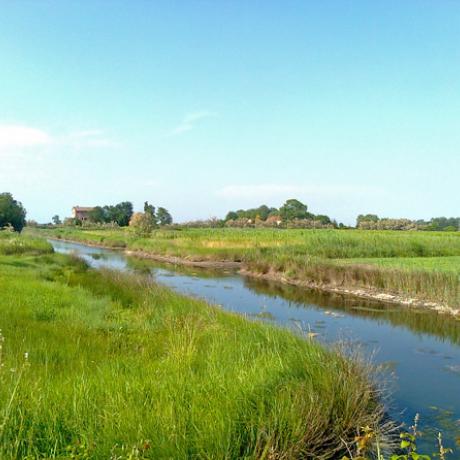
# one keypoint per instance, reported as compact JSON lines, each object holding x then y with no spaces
{"x":20,"y":136}
{"x":190,"y":120}
{"x":88,"y":138}
{"x":17,"y":139}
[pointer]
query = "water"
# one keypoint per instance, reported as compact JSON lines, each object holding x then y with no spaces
{"x":420,"y":349}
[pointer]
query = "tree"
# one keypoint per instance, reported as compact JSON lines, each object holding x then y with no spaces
{"x":163,"y":216}
{"x":231,"y":215}
{"x":365,"y":219}
{"x":142,"y":223}
{"x":56,"y":220}
{"x":325,"y":220}
{"x":123,"y":213}
{"x":11,"y":212}
{"x":120,"y":214}
{"x":98,"y":215}
{"x":149,"y":209}
{"x":294,"y":209}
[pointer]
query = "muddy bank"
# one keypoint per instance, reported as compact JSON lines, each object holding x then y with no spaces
{"x":363,"y":293}
{"x":87,"y":243}
{"x":182,"y":261}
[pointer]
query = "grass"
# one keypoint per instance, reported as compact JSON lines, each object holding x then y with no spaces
{"x":119,"y":367}
{"x":12,"y":243}
{"x":448,"y":264}
{"x":422,"y":265}
{"x":238,"y":244}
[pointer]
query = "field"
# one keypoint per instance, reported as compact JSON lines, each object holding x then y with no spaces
{"x":421,"y":265}
{"x":109,"y":365}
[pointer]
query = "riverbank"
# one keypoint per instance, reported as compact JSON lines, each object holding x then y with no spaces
{"x":97,"y":364}
{"x":418,"y":270}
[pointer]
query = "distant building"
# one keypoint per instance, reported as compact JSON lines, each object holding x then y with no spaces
{"x":81,"y":213}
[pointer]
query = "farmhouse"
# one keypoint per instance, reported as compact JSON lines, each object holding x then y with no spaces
{"x":81,"y":212}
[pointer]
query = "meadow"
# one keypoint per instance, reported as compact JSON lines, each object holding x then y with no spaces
{"x":420,"y":265}
{"x":100,"y":364}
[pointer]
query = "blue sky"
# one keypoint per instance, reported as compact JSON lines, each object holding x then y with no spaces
{"x":206,"y":106}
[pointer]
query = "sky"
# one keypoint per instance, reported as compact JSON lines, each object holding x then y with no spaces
{"x":206,"y":106}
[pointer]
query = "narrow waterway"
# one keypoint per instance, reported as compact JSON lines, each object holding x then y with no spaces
{"x":420,"y":349}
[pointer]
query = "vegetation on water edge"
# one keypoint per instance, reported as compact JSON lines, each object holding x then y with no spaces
{"x":406,"y":263}
{"x":108,"y":365}
{"x":408,"y":449}
{"x":13,"y":243}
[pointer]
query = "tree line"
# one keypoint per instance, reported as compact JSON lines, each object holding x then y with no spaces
{"x":121,"y":214}
{"x":292,"y":214}
{"x":374,"y":222}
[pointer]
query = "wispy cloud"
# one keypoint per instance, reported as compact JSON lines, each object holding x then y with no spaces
{"x":89,"y":138}
{"x":19,"y":136}
{"x":190,"y":120}
{"x":20,"y":139}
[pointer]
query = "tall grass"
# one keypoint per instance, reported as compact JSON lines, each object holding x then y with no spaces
{"x":431,"y":286}
{"x":13,"y":243}
{"x":235,"y":244}
{"x":119,"y":367}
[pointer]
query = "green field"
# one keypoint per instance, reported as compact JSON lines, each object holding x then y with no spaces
{"x":448,"y":264}
{"x":108,"y":365}
{"x":423,"y":265}
{"x":240,"y":244}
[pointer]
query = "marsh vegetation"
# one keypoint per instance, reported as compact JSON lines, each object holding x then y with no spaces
{"x":100,"y":364}
{"x":421,"y":265}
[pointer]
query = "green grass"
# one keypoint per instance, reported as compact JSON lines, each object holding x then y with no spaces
{"x":238,"y":244}
{"x":434,"y":264}
{"x":13,"y":243}
{"x":424,"y":265}
{"x":119,"y":367}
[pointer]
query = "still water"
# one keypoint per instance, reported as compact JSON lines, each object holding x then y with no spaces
{"x":419,"y":349}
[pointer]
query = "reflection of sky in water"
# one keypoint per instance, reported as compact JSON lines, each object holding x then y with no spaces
{"x":427,"y":367}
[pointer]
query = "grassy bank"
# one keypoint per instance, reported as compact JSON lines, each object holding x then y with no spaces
{"x":105,"y":365}
{"x":421,"y":265}
{"x":12,"y":243}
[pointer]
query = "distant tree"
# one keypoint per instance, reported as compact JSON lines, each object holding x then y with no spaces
{"x":56,"y":220}
{"x":324,"y":219}
{"x":163,"y":216}
{"x":71,"y":222}
{"x":441,"y":223}
{"x":124,"y":211}
{"x":98,"y":215}
{"x":120,"y":213}
{"x":232,"y":215}
{"x":149,"y":209}
{"x":366,"y":218}
{"x":294,"y":209}
{"x":11,"y":212}
{"x":142,"y":223}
